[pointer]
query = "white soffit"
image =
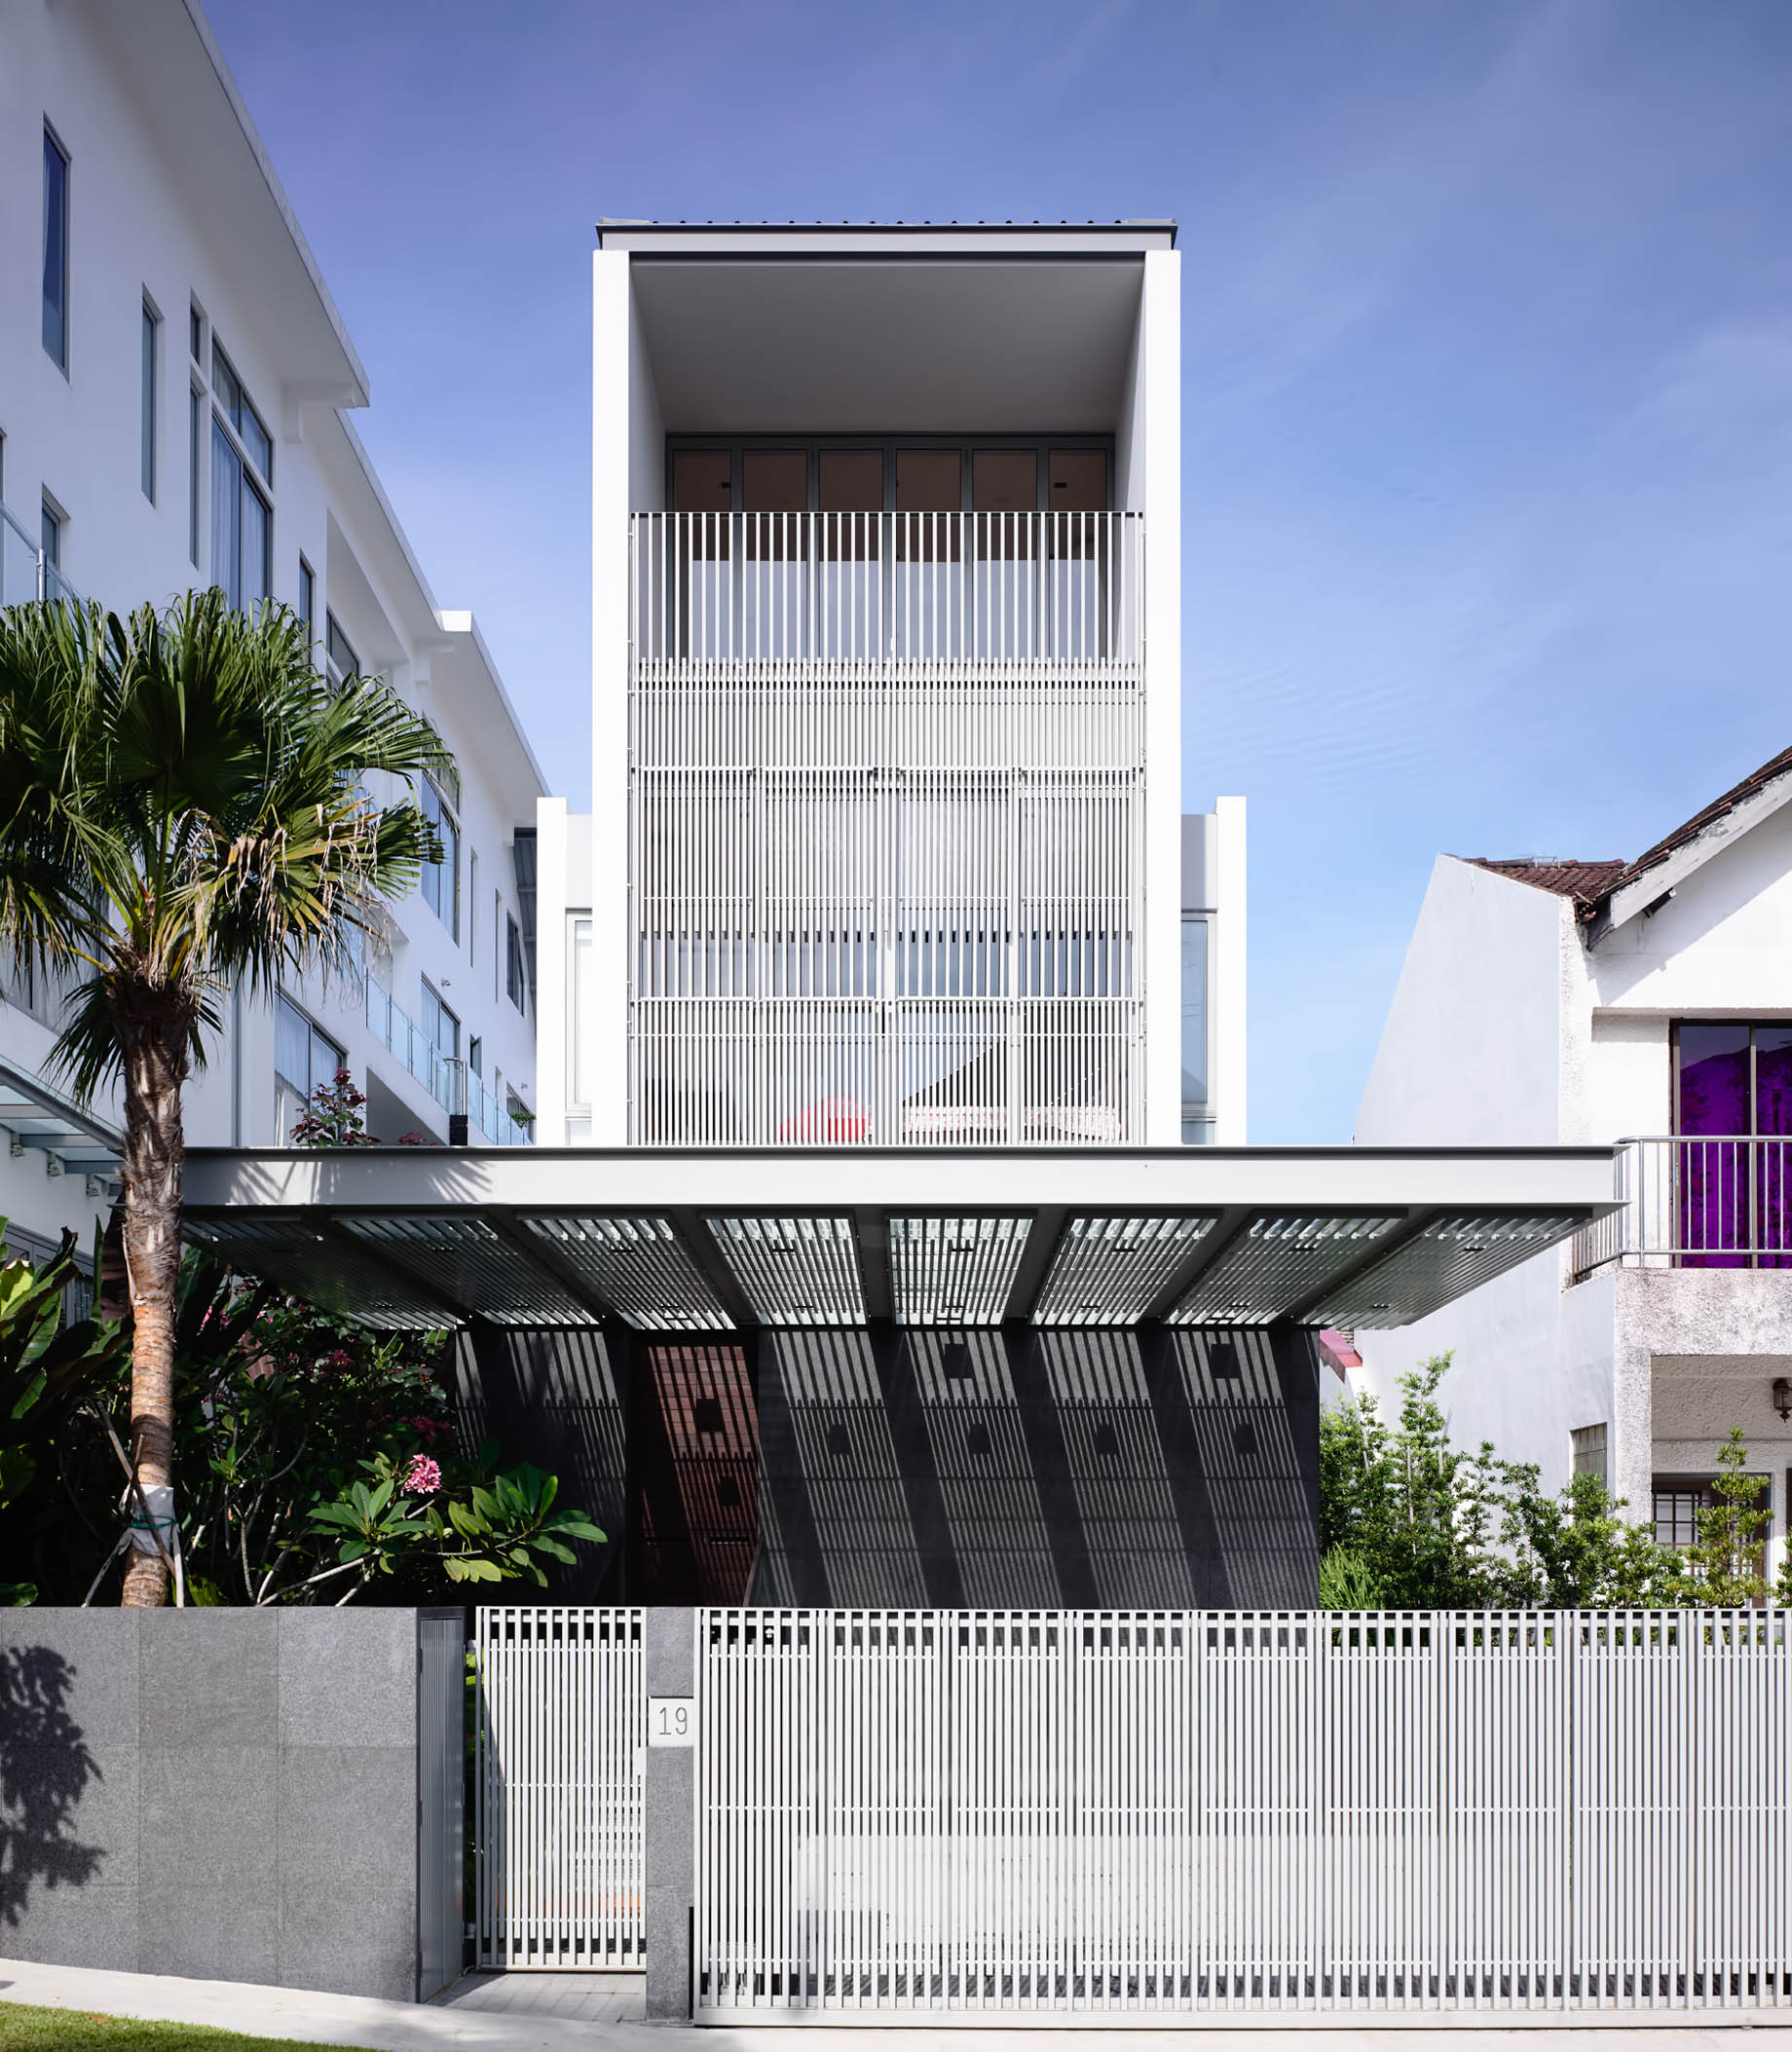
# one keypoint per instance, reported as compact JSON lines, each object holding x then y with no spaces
{"x":795,"y":1271}
{"x":1111,"y":1271}
{"x":889,"y":346}
{"x":953,"y":1271}
{"x":639,"y":1268}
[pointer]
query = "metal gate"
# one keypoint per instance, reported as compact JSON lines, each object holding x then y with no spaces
{"x":562,"y":1719}
{"x":441,"y":1780}
{"x":1220,"y":1812}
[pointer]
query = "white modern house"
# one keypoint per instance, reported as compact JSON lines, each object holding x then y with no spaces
{"x":1646,"y":1004}
{"x":887,"y":845}
{"x":175,"y":392}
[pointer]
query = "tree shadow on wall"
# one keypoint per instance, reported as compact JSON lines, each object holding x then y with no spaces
{"x":44,"y":1768}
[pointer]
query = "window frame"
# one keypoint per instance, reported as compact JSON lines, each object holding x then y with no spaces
{"x":332,"y":634}
{"x":308,"y":605}
{"x":450,"y":818}
{"x":52,"y":525}
{"x":1753,"y":1028}
{"x":250,"y":474}
{"x":149,"y":466}
{"x":516,"y":964}
{"x":53,"y":145}
{"x":314,"y":1034}
{"x":432,"y":998}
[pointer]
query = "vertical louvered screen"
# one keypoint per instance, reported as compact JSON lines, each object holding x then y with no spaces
{"x":971,"y":1812}
{"x":562,"y":1718}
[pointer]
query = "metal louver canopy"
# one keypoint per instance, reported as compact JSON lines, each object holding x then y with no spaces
{"x":723,"y":1240}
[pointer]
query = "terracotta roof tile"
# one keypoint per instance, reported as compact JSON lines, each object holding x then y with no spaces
{"x":1585,"y":882}
{"x":1767,"y":773}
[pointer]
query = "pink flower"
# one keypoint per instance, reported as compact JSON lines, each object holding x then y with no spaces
{"x":423,"y":1477}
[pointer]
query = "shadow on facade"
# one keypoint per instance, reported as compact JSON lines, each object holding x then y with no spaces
{"x":45,"y":1768}
{"x":887,"y":1468}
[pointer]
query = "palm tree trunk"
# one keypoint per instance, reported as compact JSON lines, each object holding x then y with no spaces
{"x":155,"y":1146}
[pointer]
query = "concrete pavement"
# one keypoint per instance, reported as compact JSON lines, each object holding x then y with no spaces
{"x":515,"y":2012}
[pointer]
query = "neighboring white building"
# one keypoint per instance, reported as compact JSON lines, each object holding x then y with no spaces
{"x":1647,"y":1002}
{"x":887,"y":644}
{"x":174,"y":387}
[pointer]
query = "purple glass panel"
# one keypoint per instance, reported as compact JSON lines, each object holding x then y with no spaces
{"x":1773,"y":1149}
{"x":1713,"y":1171}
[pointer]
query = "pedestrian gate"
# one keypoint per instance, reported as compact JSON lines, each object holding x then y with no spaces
{"x":562,"y":1718}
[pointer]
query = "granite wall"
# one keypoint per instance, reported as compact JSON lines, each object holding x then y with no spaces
{"x":228,"y":1793}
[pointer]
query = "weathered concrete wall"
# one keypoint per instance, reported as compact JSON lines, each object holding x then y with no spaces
{"x":230,"y":1793}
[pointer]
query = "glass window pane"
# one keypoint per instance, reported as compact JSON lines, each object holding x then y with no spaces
{"x":850,"y":481}
{"x":1713,"y":1079}
{"x":194,"y":412}
{"x":149,"y":406}
{"x":308,"y":592}
{"x":226,"y":504}
{"x":224,"y":382}
{"x":292,"y":1046}
{"x":1194,"y":1012}
{"x":927,"y":481}
{"x":1774,"y":1079}
{"x":702,"y":480}
{"x":341,"y":651}
{"x":257,"y":552}
{"x":775,"y":481}
{"x":196,"y":334}
{"x":326,"y":1060}
{"x":56,"y":252}
{"x":1005,"y":481}
{"x":51,"y":536}
{"x":1078,"y":481}
{"x":256,"y":440}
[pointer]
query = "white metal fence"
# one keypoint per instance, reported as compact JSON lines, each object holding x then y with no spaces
{"x":562,"y":1718}
{"x":926,"y":1813}
{"x":1696,"y":1201}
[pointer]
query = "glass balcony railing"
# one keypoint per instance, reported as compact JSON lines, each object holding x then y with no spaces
{"x":446,"y":1078}
{"x":26,"y":572}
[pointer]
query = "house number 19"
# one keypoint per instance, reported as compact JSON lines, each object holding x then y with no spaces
{"x":671,"y":1720}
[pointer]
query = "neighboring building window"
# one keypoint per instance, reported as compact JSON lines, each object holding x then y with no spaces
{"x":1678,"y":1501}
{"x":241,"y":518}
{"x":152,"y":324}
{"x":441,"y":880}
{"x":52,"y":536}
{"x":339,"y":650}
{"x":1588,"y":1444}
{"x":472,"y":899}
{"x":1733,"y":1108}
{"x":196,"y":334}
{"x":1194,"y":1017}
{"x":195,"y":414}
{"x":56,"y":250}
{"x":305,"y":1061}
{"x":308,"y":602}
{"x":234,"y":403}
{"x":441,"y":1028}
{"x":516,"y":971}
{"x":476,"y":1055}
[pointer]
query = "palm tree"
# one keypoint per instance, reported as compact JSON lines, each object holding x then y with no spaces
{"x":182,"y":807}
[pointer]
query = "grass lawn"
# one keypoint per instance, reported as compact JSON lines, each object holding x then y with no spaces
{"x":24,"y":2029}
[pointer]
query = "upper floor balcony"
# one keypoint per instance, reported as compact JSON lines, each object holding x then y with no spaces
{"x":1706,"y":1202}
{"x":29,"y":568}
{"x":1012,"y":595}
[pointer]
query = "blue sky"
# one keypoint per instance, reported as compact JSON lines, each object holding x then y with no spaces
{"x":1487,"y":322}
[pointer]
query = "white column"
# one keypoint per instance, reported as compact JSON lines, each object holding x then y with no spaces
{"x":554,"y":1053}
{"x":1228,"y":985}
{"x":608,"y":1029}
{"x":1159,"y":372}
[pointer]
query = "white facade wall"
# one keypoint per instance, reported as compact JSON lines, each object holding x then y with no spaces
{"x":632,"y":417}
{"x":170,"y":196}
{"x":1506,"y":1029}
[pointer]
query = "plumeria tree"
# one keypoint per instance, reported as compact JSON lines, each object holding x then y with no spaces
{"x":183,"y":807}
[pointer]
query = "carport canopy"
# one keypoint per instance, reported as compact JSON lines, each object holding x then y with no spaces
{"x":663,"y":1241}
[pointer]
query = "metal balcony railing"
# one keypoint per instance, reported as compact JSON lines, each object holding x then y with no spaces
{"x":1696,"y":1202}
{"x":1044,"y":590}
{"x":446,"y":1077}
{"x":26,"y":572}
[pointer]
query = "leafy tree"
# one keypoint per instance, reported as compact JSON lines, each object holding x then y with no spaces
{"x":182,"y":807}
{"x":1726,"y":1563}
{"x":1410,"y":1521}
{"x":47,"y":1368}
{"x":315,"y":1462}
